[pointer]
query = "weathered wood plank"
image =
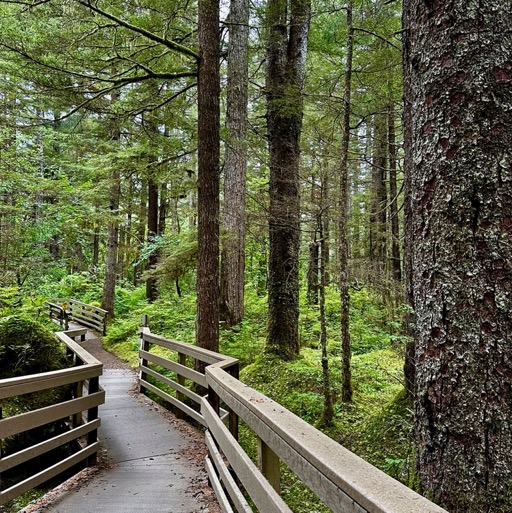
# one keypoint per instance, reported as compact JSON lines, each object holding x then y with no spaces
{"x":48,"y":445}
{"x":45,"y":475}
{"x":264,"y":496}
{"x":229,"y":483}
{"x":95,"y":308}
{"x":198,"y":353}
{"x":25,"y":421}
{"x":222,"y":499}
{"x":80,"y":352}
{"x":338,"y":477}
{"x":169,"y":382}
{"x":11,"y":387}
{"x":191,"y":374}
{"x":169,"y":398}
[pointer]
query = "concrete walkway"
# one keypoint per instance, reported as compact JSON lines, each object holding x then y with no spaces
{"x":151,"y":465}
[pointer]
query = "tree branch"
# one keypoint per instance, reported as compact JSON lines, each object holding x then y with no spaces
{"x":387,"y":41}
{"x":153,"y":37}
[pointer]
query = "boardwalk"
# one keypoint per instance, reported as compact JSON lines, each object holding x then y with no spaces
{"x":151,"y":462}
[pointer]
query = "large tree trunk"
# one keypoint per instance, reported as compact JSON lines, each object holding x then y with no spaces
{"x":207,"y":324}
{"x":460,"y":72}
{"x":233,"y":252}
{"x":286,"y":60}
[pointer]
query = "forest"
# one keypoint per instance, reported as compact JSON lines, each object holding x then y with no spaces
{"x":320,"y":188}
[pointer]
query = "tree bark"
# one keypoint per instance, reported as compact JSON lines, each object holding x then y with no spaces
{"x":233,"y":252}
{"x":379,"y":197}
{"x":152,"y":220}
{"x":286,"y":60}
{"x":207,"y":323}
{"x":409,"y":364}
{"x":109,"y":284}
{"x":323,"y":216}
{"x":393,"y":197}
{"x":460,"y":72}
{"x":346,"y":386}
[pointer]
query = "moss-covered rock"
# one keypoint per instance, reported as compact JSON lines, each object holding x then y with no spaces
{"x":27,"y":347}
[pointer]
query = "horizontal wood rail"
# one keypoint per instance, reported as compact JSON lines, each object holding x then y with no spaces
{"x":341,"y":480}
{"x":179,"y":376}
{"x":65,"y":310}
{"x":58,"y":314}
{"x":79,"y":413}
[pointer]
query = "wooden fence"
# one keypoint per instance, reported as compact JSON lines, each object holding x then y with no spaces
{"x":79,"y":412}
{"x":63,"y":311}
{"x":341,"y":480}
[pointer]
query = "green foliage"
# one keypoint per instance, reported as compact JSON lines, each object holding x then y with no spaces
{"x":82,"y":286}
{"x":179,"y":257}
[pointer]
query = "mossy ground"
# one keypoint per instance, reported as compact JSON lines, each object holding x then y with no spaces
{"x":376,"y":425}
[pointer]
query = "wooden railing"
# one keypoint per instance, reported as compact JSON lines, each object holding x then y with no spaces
{"x":341,"y":480}
{"x":79,"y":412}
{"x":65,"y":310}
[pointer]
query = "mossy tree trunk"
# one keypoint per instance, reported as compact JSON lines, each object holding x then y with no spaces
{"x":346,"y":352}
{"x":288,"y":30}
{"x":460,"y":75}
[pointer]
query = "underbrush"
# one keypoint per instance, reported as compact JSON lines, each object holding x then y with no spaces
{"x":376,"y":425}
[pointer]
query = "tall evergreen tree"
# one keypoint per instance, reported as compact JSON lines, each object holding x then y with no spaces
{"x":208,"y":175}
{"x":288,"y":29}
{"x":235,"y":166}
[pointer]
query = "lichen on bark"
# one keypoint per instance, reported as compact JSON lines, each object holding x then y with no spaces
{"x":458,"y":67}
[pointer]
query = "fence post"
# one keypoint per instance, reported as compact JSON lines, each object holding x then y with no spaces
{"x":214,"y":400}
{"x":92,"y":414}
{"x":234,"y":370}
{"x":143,"y":346}
{"x":182,"y":360}
{"x":65,"y":319}
{"x":269,"y":465}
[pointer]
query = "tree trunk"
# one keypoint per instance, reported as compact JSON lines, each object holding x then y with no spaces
{"x":109,"y":284}
{"x":162,"y":209}
{"x":152,"y":220}
{"x":95,"y":249}
{"x":141,"y":231}
{"x":409,"y":364}
{"x":328,"y":407}
{"x":393,"y":194}
{"x":233,"y":252}
{"x":460,"y":72}
{"x":346,"y":387}
{"x":379,"y":197}
{"x":286,"y":60}
{"x":313,"y":268}
{"x":312,"y":276}
{"x":207,"y":324}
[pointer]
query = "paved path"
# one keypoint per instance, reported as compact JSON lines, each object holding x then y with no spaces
{"x":151,"y":462}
